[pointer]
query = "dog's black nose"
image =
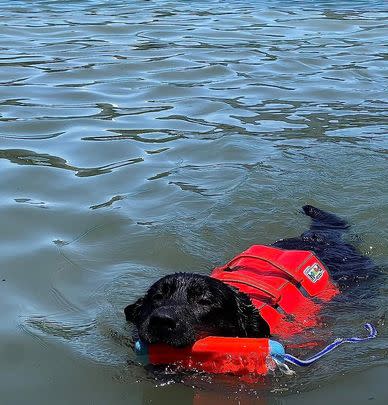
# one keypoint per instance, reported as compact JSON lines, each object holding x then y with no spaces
{"x":162,"y":321}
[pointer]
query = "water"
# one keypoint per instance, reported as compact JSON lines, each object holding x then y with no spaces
{"x":142,"y":138}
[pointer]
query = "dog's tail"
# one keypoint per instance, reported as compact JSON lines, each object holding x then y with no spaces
{"x":322,"y":220}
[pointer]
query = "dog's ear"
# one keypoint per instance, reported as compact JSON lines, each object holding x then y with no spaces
{"x":132,"y":311}
{"x":250,"y":322}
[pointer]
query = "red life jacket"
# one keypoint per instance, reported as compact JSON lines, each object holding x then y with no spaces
{"x":287,"y":287}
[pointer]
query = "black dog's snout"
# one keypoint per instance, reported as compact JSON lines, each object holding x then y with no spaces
{"x":163,"y":321}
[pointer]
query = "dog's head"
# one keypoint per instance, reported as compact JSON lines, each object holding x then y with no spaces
{"x":182,"y":308}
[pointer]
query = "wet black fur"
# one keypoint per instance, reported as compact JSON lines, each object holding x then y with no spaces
{"x":183,"y":307}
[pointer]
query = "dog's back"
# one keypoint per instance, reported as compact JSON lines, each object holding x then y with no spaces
{"x":325,"y":238}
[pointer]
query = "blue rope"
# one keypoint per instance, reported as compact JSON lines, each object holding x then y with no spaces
{"x":303,"y":363}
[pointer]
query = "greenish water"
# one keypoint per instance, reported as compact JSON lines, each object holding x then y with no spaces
{"x":140,"y":138}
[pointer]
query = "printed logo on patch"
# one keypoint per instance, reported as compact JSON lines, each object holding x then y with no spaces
{"x":314,"y":272}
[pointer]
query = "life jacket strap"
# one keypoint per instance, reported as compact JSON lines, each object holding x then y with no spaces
{"x":253,"y":282}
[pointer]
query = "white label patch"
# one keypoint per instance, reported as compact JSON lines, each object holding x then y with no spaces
{"x":314,"y":272}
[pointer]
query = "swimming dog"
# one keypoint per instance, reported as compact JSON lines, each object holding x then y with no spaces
{"x":183,"y":307}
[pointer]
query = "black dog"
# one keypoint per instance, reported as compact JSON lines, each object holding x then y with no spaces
{"x":182,"y":308}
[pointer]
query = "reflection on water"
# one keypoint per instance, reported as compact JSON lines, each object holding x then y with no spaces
{"x":26,"y":157}
{"x":168,"y":136}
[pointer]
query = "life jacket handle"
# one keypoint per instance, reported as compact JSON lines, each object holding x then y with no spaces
{"x":264,"y":259}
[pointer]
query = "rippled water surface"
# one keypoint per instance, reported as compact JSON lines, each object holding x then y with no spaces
{"x":140,"y":138}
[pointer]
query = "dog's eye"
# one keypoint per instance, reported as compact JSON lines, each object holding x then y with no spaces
{"x":204,"y":301}
{"x":157,"y":296}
